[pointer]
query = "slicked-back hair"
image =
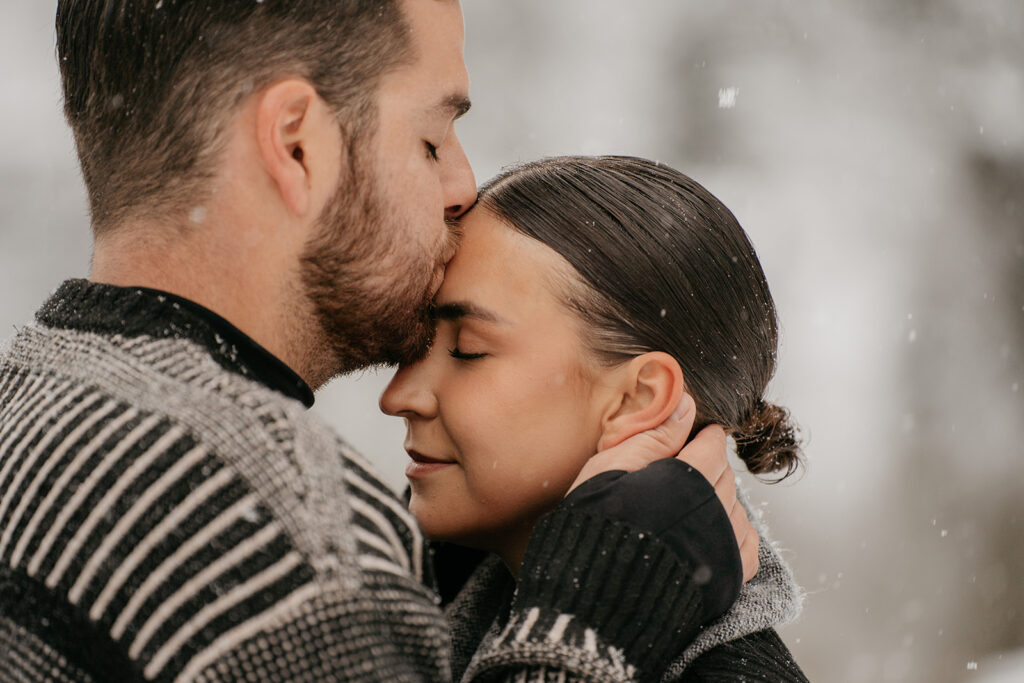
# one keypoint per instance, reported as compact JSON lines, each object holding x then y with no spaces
{"x":150,"y":85}
{"x":662,"y":265}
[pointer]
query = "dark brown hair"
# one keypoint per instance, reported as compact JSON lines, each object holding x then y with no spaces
{"x":149,"y":86}
{"x":663,"y":266}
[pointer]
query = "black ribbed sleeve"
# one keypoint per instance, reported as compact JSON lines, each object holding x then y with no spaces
{"x":761,"y":657}
{"x":621,"y":596}
{"x":674,"y":502}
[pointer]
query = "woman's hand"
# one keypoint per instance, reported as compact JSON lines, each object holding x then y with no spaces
{"x":707,"y":453}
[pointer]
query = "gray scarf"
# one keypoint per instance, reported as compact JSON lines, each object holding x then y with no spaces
{"x":772,"y":598}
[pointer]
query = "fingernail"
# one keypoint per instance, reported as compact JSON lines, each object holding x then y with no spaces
{"x":683,"y":407}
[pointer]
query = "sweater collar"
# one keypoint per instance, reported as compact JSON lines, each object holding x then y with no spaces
{"x":106,"y":309}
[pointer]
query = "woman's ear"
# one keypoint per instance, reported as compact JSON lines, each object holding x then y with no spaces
{"x":299,"y":141}
{"x":649,"y":389}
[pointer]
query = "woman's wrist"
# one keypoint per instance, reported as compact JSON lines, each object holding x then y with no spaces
{"x":589,"y":581}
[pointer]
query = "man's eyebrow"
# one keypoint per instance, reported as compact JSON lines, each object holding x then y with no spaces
{"x":455,"y":105}
{"x":457,"y":310}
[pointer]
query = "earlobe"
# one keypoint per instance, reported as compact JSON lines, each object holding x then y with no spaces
{"x":285,"y":125}
{"x":649,"y":390}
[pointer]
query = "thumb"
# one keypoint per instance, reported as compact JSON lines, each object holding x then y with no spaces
{"x":673,"y":432}
{"x":640,"y":450}
{"x":663,"y":441}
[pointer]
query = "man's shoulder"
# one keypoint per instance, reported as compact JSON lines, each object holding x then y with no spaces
{"x":174,"y":378}
{"x":165,"y":508}
{"x":170,"y":393}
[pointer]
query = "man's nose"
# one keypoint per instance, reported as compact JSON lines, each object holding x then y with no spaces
{"x":457,"y":179}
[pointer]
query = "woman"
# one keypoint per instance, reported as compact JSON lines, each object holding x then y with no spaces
{"x":587,"y":296}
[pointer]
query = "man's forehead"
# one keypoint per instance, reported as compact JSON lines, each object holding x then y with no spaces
{"x":436,"y":30}
{"x":435,"y":18}
{"x":437,"y":63}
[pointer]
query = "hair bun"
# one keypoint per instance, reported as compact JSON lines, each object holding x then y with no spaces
{"x":768,"y":442}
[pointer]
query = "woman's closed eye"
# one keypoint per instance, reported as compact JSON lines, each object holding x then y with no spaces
{"x":452,"y":320}
{"x":458,"y":354}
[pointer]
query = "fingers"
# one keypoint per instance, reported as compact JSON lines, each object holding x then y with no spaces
{"x":640,"y":450}
{"x":684,"y":416}
{"x":708,"y":454}
{"x":725,"y":489}
{"x":666,"y":439}
{"x":748,"y":554}
{"x":747,"y":540}
{"x":741,"y":525}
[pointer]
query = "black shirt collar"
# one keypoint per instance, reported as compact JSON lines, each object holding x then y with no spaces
{"x":106,"y":309}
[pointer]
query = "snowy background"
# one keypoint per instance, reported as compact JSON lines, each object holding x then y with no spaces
{"x":874,"y":151}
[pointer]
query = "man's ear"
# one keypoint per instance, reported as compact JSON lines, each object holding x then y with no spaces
{"x":298,"y":141}
{"x":649,"y":389}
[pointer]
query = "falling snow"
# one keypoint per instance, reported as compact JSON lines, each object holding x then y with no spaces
{"x":727,"y":97}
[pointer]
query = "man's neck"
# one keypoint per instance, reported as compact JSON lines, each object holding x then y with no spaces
{"x":253,"y":293}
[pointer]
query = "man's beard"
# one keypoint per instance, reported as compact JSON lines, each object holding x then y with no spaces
{"x":371,"y":309}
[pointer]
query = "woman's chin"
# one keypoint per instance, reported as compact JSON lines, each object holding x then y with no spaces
{"x":436,"y":524}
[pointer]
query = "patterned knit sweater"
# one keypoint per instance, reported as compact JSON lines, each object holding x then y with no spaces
{"x":165,"y":517}
{"x":741,"y":645}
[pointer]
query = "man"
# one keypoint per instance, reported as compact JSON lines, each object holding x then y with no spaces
{"x":268,"y":185}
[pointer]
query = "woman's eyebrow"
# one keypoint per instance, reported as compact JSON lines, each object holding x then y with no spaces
{"x":457,"y":310}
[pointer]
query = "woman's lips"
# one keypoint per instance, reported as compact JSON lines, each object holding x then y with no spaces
{"x":422,"y":465}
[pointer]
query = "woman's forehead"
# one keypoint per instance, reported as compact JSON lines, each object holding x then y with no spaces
{"x":499,"y":268}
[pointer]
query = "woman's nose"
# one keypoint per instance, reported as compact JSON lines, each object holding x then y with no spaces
{"x":408,"y":394}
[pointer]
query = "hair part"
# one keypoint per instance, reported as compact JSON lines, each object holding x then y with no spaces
{"x":150,"y":87}
{"x":661,"y":265}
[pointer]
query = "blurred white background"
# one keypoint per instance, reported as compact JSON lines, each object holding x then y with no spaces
{"x":873,"y":150}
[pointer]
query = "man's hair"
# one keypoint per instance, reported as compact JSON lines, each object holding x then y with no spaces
{"x":150,"y":85}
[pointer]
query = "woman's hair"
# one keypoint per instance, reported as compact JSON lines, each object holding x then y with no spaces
{"x":663,"y":266}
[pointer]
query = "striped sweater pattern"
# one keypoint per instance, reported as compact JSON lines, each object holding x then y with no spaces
{"x":162,"y":519}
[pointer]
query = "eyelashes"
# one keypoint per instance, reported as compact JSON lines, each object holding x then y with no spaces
{"x":460,"y":355}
